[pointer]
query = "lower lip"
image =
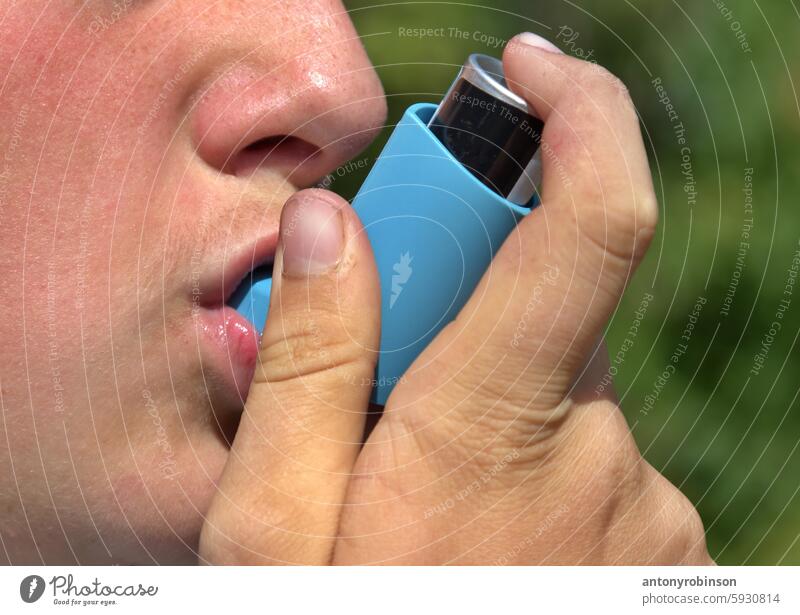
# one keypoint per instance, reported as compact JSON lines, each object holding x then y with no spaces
{"x":232,"y":347}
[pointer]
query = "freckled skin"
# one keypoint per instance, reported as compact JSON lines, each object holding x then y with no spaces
{"x":121,"y":133}
{"x":146,"y":152}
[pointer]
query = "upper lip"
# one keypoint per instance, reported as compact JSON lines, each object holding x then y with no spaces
{"x":217,"y":285}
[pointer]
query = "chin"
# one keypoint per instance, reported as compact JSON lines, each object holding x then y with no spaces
{"x":157,"y":507}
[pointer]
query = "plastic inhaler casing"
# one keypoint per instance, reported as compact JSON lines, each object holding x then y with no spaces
{"x":251,"y":299}
{"x":434,"y":228}
{"x":450,"y":185}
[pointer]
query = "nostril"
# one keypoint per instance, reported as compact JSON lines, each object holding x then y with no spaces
{"x":281,"y":152}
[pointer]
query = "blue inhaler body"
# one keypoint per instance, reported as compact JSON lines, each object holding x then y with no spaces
{"x":450,"y":185}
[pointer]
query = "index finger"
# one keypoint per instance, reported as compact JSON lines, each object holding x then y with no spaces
{"x":560,"y":274}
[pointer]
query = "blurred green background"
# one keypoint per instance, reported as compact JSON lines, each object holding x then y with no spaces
{"x":725,"y":433}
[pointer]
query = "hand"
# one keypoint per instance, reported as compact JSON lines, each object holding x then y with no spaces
{"x":500,"y":445}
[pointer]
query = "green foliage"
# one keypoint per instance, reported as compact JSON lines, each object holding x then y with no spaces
{"x":728,"y":436}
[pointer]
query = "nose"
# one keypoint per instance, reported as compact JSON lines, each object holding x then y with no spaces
{"x":300,"y":106}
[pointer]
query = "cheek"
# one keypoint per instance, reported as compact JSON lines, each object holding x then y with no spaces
{"x":75,"y":197}
{"x":77,"y":173}
{"x":88,"y":249}
{"x":61,"y":141}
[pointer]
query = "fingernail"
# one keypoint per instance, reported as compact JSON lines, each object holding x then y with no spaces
{"x":534,"y":40}
{"x":312,"y":235}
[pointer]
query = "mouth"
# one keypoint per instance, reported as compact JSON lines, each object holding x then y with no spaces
{"x":228,"y":341}
{"x":217,"y":288}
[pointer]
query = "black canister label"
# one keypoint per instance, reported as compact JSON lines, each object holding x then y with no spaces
{"x":494,"y":140}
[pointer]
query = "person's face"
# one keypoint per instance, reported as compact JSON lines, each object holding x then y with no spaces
{"x":143,"y":166}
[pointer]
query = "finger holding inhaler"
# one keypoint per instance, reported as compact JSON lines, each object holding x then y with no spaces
{"x":450,"y":185}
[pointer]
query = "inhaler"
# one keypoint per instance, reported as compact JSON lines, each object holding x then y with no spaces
{"x":450,"y":185}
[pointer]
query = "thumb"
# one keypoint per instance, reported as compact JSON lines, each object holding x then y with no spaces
{"x":285,"y":480}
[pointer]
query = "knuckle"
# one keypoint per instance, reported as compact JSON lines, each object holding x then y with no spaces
{"x":614,"y":488}
{"x":625,"y":234}
{"x":667,"y":527}
{"x":610,"y":84}
{"x":647,"y":213}
{"x":602,"y":457}
{"x":621,"y":471}
{"x":310,"y":344}
{"x":684,"y":534}
{"x":504,"y":418}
